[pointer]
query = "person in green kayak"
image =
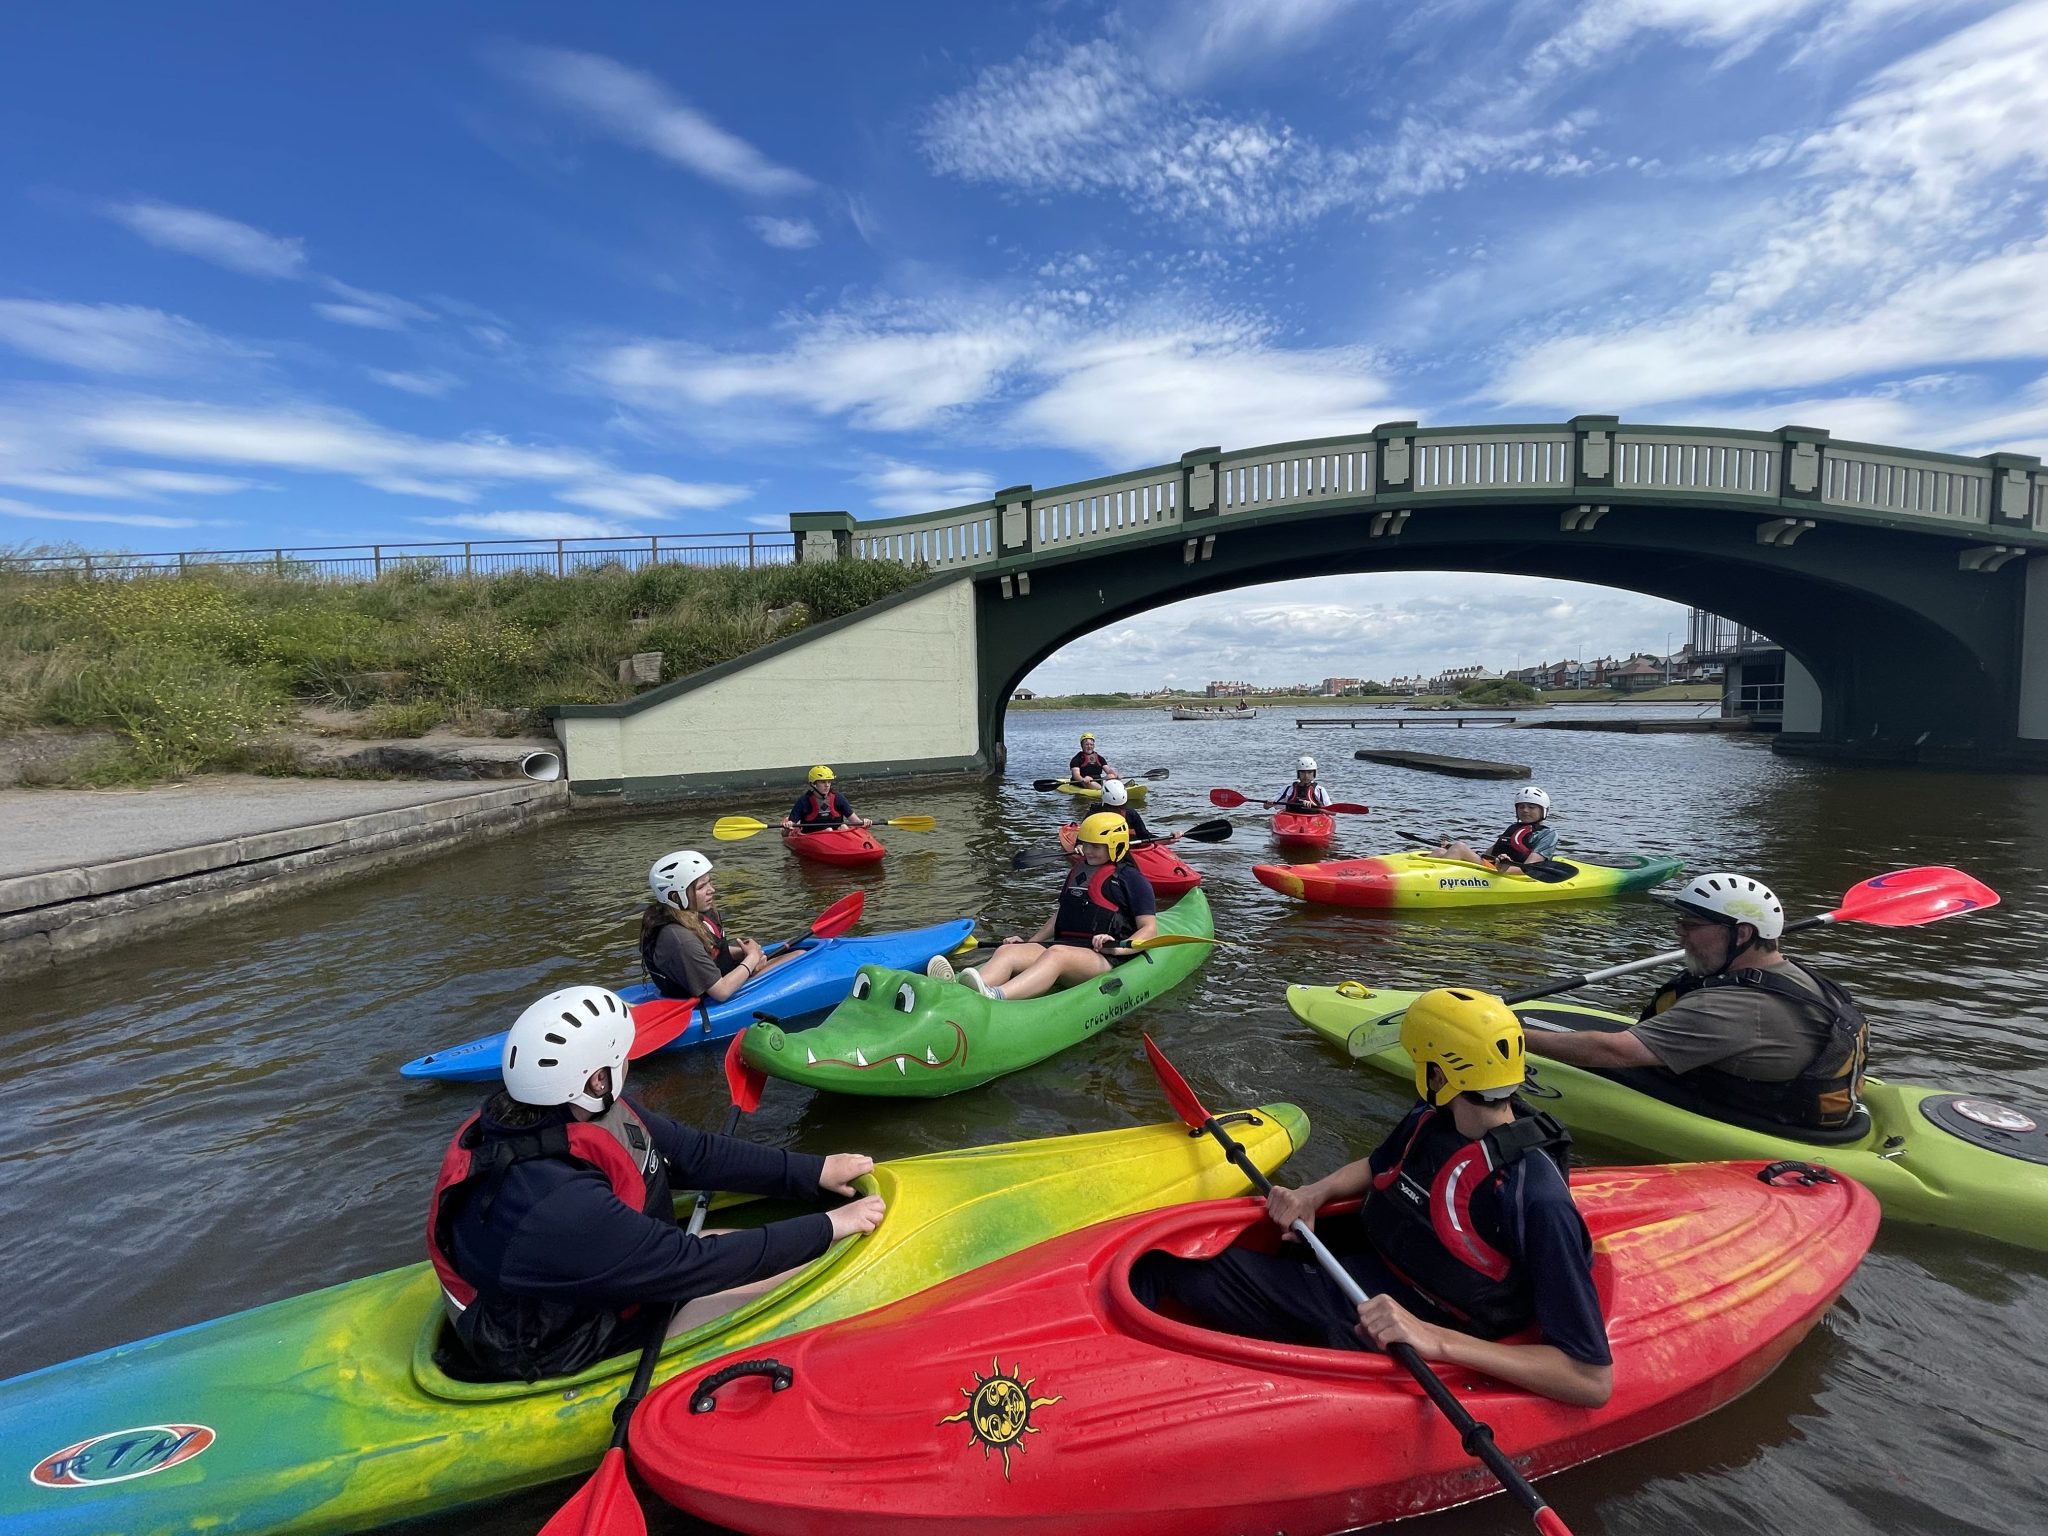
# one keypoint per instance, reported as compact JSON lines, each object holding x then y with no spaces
{"x":1105,"y":904}
{"x":1529,"y":842}
{"x":1089,"y":766}
{"x":683,"y":946}
{"x":821,"y":805}
{"x":552,"y":1228}
{"x":1741,"y":1030}
{"x":1467,"y":1234}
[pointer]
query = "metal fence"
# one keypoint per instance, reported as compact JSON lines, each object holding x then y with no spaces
{"x":482,"y":557}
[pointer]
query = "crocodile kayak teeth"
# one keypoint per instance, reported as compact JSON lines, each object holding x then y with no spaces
{"x":810,"y":1057}
{"x":929,"y":1057}
{"x":902,"y":1066}
{"x":858,"y":1059}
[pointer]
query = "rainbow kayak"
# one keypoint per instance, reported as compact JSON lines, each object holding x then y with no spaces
{"x":1411,"y":881}
{"x":1931,"y":1157}
{"x":330,"y":1413}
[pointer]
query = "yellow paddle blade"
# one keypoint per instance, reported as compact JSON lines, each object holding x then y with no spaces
{"x":970,"y":942}
{"x":730,"y":829}
{"x":1162,"y":940}
{"x":912,"y":823}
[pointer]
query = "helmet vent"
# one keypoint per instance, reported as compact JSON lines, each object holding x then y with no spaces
{"x":554,"y":1039}
{"x":590,"y":1007}
{"x":550,"y":1061}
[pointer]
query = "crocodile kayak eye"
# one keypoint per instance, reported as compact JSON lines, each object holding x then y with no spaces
{"x":906,"y":999}
{"x":860,"y":986}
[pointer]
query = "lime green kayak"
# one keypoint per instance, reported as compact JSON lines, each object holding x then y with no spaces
{"x":906,"y":1036}
{"x":328,"y":1412}
{"x":1138,"y":790}
{"x":1401,"y":881}
{"x":1932,"y":1157}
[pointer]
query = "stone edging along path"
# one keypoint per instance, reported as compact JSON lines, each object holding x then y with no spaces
{"x":50,"y":916}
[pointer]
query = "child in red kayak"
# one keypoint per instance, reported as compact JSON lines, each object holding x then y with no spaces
{"x":1304,"y":796}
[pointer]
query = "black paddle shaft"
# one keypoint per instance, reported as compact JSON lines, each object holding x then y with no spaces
{"x":1587,"y":978}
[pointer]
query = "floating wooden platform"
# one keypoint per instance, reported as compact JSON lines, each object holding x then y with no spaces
{"x":1456,"y":767}
{"x":1640,"y":727}
{"x":1445,"y":717}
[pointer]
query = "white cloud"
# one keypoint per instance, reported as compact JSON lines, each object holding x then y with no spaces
{"x":110,"y":338}
{"x":901,"y":487}
{"x":534,"y":525}
{"x":433,"y":490}
{"x":369,"y":309}
{"x":637,"y":109}
{"x":224,"y":242}
{"x":1196,"y":41}
{"x":431,"y":382}
{"x":11,"y":508}
{"x":126,"y":484}
{"x":784,"y":234}
{"x":650,"y":495}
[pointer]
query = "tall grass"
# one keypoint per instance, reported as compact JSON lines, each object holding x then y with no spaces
{"x":193,"y":672}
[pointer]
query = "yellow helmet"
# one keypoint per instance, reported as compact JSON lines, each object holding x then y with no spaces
{"x":1087,"y":735}
{"x":1110,"y":830}
{"x":1473,"y":1037}
{"x":821,"y":774}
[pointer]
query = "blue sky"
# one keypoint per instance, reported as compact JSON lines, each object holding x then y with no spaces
{"x":322,"y":274}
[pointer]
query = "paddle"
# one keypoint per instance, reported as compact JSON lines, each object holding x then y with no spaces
{"x":1475,"y":1436}
{"x":657,"y":1022}
{"x":1167,"y":941}
{"x":1230,"y":800}
{"x":1045,"y":785}
{"x":734,"y":829}
{"x":829,"y":924}
{"x":1216,"y":831}
{"x":605,"y":1505}
{"x":1906,"y":898}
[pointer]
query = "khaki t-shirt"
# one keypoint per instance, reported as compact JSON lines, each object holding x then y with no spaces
{"x":1744,"y":1031}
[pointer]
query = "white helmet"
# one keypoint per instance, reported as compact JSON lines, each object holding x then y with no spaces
{"x":1114,"y":793}
{"x":1733,"y":899}
{"x":1529,"y":794}
{"x":553,"y":1048}
{"x":673,"y":875}
{"x":1304,"y":765}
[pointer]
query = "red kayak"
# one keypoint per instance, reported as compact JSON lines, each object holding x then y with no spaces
{"x":837,"y":845}
{"x":1294,"y":829}
{"x":1036,"y":1394}
{"x":1169,"y":877}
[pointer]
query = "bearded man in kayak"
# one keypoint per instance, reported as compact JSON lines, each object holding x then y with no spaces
{"x":1304,"y":797}
{"x":1089,"y":766}
{"x":1467,"y":1235}
{"x":1530,"y":841}
{"x":553,"y":1229}
{"x":1741,"y":1031}
{"x":821,"y":806}
{"x":1105,"y":904}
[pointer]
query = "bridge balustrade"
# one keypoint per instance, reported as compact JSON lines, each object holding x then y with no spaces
{"x":1886,"y":482}
{"x":1108,"y":509}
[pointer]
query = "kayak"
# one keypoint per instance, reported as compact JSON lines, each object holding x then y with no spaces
{"x":811,"y":983}
{"x":1298,"y":829}
{"x":1405,"y":881}
{"x":849,"y":847}
{"x":1037,"y":1394}
{"x":1162,"y":868}
{"x":329,"y":1412}
{"x":906,"y":1036}
{"x":1138,"y":791}
{"x":1932,"y":1157}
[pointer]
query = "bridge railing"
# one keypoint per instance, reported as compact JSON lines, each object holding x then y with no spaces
{"x":477,"y":557}
{"x":1589,"y":462}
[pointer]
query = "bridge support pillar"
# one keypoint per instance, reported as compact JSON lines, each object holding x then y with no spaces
{"x":2033,"y":701}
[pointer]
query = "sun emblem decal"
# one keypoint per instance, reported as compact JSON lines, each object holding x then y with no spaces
{"x":998,"y":1411}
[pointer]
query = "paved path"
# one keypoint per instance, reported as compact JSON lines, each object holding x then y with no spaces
{"x":42,"y":829}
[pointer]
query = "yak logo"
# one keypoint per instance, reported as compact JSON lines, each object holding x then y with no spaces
{"x":998,"y":1411}
{"x":121,"y":1455}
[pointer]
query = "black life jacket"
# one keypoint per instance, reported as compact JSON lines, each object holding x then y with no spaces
{"x":1826,"y":1094}
{"x":1424,"y":1218}
{"x":1092,"y":901}
{"x":1300,"y":798}
{"x":831,"y":811}
{"x":1088,"y":762}
{"x":1516,"y":844}
{"x":530,"y":1337}
{"x":674,"y":983}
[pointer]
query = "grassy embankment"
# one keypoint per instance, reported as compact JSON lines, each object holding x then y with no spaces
{"x":202,"y":672}
{"x":1676,"y":693}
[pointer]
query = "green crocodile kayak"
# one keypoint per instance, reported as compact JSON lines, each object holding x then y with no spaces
{"x":1931,"y":1157}
{"x":906,"y":1036}
{"x":329,"y":1412}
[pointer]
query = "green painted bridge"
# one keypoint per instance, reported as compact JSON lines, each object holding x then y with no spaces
{"x":1905,"y":586}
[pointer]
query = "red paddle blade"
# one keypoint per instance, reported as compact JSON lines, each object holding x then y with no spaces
{"x":1907,"y":898}
{"x":840,"y":916}
{"x":1349,"y":808}
{"x":1178,"y":1093}
{"x":1229,"y":799}
{"x":742,"y":1081}
{"x":658,"y":1022}
{"x":604,"y":1506}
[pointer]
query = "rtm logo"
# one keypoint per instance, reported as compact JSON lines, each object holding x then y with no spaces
{"x":120,"y":1455}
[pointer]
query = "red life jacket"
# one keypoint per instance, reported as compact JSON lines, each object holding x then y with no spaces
{"x":1300,"y":798}
{"x":1092,"y":901}
{"x":1514,"y":844}
{"x":832,"y":811}
{"x":1420,"y":1219}
{"x":1089,"y":763}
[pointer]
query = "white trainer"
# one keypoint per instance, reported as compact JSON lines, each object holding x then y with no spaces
{"x":939,"y":968}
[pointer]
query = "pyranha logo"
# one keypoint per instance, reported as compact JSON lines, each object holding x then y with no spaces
{"x":998,"y":1411}
{"x":120,"y":1455}
{"x":1459,"y":882}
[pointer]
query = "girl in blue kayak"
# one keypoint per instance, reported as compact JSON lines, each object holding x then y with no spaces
{"x":683,"y":946}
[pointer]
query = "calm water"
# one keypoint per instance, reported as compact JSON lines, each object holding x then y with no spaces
{"x":214,"y":1119}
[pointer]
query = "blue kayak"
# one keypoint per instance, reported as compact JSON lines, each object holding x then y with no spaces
{"x":818,"y":979}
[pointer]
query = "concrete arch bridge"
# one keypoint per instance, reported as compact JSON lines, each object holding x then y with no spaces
{"x":1906,"y":587}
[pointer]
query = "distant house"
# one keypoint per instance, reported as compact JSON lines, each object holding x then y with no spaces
{"x":1229,"y":690}
{"x":1023,"y":693}
{"x":1637,"y":675}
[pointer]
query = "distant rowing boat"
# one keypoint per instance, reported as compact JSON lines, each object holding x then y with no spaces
{"x":1212,"y":714}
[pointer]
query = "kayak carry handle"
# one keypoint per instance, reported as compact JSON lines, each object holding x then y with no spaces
{"x":705,"y":1398}
{"x":1805,"y":1173}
